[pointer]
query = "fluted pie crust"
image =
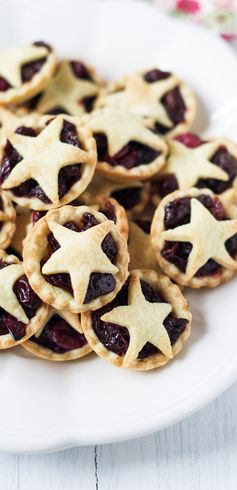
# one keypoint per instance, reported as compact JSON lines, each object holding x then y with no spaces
{"x":173,"y":295}
{"x":35,"y":247}
{"x":48,"y":138}
{"x":7,"y":220}
{"x":158,"y":242}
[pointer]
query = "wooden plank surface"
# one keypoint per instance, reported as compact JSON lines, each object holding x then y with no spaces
{"x":199,"y":453}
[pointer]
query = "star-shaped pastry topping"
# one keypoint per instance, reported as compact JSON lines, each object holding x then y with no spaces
{"x":189,"y":165}
{"x":66,"y":90}
{"x":144,"y":99}
{"x":12,"y":60}
{"x":208,"y":237}
{"x":42,"y":158}
{"x":71,"y":318}
{"x":121,"y":127}
{"x":144,"y":321}
{"x":8,"y":300}
{"x":80,"y":254}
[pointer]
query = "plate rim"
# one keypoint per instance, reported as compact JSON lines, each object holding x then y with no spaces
{"x":69,"y":435}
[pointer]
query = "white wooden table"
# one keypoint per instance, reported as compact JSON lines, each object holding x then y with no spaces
{"x":199,"y":453}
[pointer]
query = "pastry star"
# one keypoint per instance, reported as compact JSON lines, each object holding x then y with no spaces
{"x":12,"y":60}
{"x":42,"y":158}
{"x":8,"y":300}
{"x":144,"y":98}
{"x":144,"y":321}
{"x":71,"y":318}
{"x":80,"y":254}
{"x":66,"y":91}
{"x":208,"y":237}
{"x":189,"y":165}
{"x":120,"y":128}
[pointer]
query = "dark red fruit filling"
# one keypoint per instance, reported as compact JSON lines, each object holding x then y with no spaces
{"x":155,"y":75}
{"x":131,"y":155}
{"x":129,"y":197}
{"x":29,"y":70}
{"x":80,"y":71}
{"x":190,"y":140}
{"x":108,"y":210}
{"x":144,"y":224}
{"x":177,"y":213}
{"x":88,"y":103}
{"x":36,"y":215}
{"x":29,"y":301}
{"x":99,"y":284}
{"x":59,"y":336}
{"x":175,"y":107}
{"x":67,"y":176}
{"x":116,"y":339}
{"x":4,"y":85}
{"x":223,"y":159}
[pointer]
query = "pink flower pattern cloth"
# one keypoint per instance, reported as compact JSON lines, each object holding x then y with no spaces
{"x":219,"y":15}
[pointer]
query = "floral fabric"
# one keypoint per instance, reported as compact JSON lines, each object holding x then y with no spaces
{"x":219,"y":15}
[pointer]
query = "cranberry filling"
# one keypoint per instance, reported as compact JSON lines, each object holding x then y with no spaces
{"x":131,"y":155}
{"x":109,"y":211}
{"x":155,"y":75}
{"x":88,"y":103}
{"x":29,"y":70}
{"x":177,"y":213}
{"x":36,"y":215}
{"x":99,"y":284}
{"x":116,"y":339}
{"x":223,"y":159}
{"x":144,"y":224}
{"x":129,"y":197}
{"x":67,"y":176}
{"x":59,"y":336}
{"x":4,"y":85}
{"x":190,"y":140}
{"x":175,"y":107}
{"x":29,"y":301}
{"x":80,"y":71}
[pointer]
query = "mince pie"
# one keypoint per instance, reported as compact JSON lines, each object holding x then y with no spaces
{"x":145,"y":325}
{"x":194,"y":236}
{"x":24,"y":72}
{"x":139,"y":246}
{"x":133,"y":196}
{"x":60,"y":338}
{"x":73,"y":90}
{"x":127,"y":149}
{"x":65,"y":146}
{"x":156,"y":95}
{"x":193,"y":162}
{"x":7,"y":220}
{"x":75,"y":259}
{"x":22,"y":312}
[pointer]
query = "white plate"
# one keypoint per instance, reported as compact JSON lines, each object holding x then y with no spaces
{"x":46,"y":406}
